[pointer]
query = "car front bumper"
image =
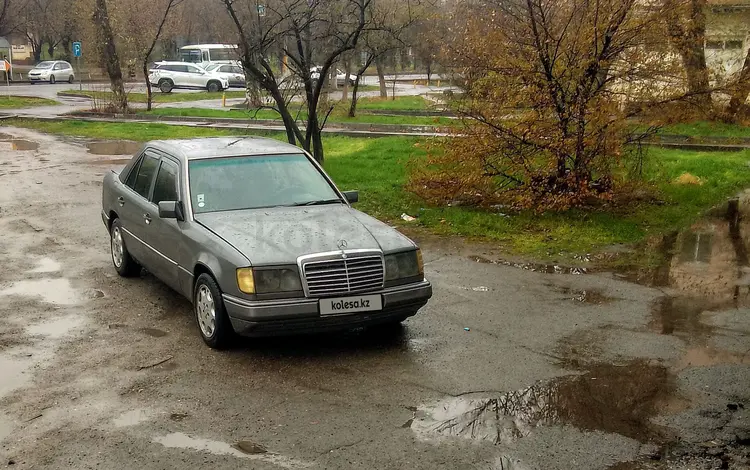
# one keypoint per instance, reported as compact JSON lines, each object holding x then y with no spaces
{"x":298,"y":316}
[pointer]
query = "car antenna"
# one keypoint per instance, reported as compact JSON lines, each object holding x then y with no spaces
{"x":241,"y":138}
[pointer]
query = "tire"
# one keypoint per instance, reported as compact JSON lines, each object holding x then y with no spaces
{"x":124,"y":264}
{"x":213,"y":87}
{"x":166,"y":85}
{"x":31,"y":82}
{"x":70,"y":79}
{"x":210,"y":314}
{"x":51,"y":79}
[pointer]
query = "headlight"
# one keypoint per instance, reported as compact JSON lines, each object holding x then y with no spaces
{"x":403,"y":265}
{"x":269,"y":281}
{"x":245,"y":280}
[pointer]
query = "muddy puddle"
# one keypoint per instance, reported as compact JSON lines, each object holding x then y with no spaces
{"x":534,"y":267}
{"x":586,"y":296}
{"x":607,"y":398}
{"x":114,"y":147}
{"x":8,"y":142}
{"x":52,"y":291}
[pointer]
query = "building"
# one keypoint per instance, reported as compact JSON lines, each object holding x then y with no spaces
{"x":727,"y":35}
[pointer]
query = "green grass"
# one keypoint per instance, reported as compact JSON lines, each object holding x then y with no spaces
{"x":708,"y":129}
{"x":339,"y":115}
{"x":401,"y":103}
{"x":158,"y":97}
{"x":378,"y":169}
{"x":15,"y":102}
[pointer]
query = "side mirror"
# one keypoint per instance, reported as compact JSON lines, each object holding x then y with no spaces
{"x":351,"y":196}
{"x":171,"y":210}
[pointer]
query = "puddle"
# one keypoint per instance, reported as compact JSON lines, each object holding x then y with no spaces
{"x":8,"y":142}
{"x":6,"y":427}
{"x":535,"y":267}
{"x":114,"y":147}
{"x":46,"y":265}
{"x":586,"y":296}
{"x":153,"y":332}
{"x":132,"y":418}
{"x":180,"y":440}
{"x":706,"y":356}
{"x":56,"y":328}
{"x":249,"y":447}
{"x":608,"y":398}
{"x":14,"y":372}
{"x":53,"y":291}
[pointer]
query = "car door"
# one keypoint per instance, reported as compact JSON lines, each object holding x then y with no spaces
{"x":135,"y":212}
{"x":179,"y":75}
{"x":195,"y":76}
{"x":164,"y":235}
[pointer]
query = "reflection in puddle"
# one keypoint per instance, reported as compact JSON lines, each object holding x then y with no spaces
{"x":183,"y":441}
{"x":56,"y":328}
{"x":132,"y":418}
{"x":114,"y":147}
{"x":608,"y":398}
{"x":46,"y":265}
{"x":53,"y":291}
{"x":587,"y":296}
{"x":535,"y":267}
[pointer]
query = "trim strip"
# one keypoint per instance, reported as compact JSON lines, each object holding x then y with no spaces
{"x":150,"y":247}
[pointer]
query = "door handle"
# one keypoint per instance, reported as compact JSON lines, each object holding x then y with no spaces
{"x":147,"y":218}
{"x":121,"y":201}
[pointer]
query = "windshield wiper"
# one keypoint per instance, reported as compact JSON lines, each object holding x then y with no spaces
{"x":318,"y":203}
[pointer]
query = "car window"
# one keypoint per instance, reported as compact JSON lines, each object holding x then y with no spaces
{"x":192,"y":69}
{"x":130,"y":182}
{"x":146,"y":174}
{"x":165,"y":187}
{"x":223,"y":184}
{"x":236,"y":69}
{"x":224,"y":69}
{"x":67,"y":65}
{"x":58,"y":67}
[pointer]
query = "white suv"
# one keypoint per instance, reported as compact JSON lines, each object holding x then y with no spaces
{"x":170,"y":75}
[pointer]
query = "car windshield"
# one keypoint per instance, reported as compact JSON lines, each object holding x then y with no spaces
{"x":44,"y":65}
{"x":190,"y":55}
{"x":212,"y":67}
{"x":252,"y":182}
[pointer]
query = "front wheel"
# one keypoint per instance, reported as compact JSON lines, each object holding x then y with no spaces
{"x":124,"y":264}
{"x":52,"y":79}
{"x":212,"y":318}
{"x":165,"y":86}
{"x":71,"y":78}
{"x":213,"y":87}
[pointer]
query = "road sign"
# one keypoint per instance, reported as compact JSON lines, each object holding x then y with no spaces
{"x":261,"y":10}
{"x":76,"y":49}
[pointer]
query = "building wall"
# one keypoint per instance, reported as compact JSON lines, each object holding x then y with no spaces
{"x":727,"y":36}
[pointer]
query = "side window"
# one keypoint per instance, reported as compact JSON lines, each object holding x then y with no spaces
{"x":165,"y":188}
{"x":130,"y":182}
{"x":57,"y":67}
{"x":67,"y":66}
{"x":191,"y":69}
{"x":180,"y":68}
{"x":205,"y":56}
{"x":146,"y":174}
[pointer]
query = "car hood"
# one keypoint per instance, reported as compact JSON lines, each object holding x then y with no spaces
{"x":279,"y":235}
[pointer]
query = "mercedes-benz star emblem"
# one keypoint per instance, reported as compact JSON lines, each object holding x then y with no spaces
{"x":341,"y":244}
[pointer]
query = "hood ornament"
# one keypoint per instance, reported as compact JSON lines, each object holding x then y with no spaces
{"x":341,"y":244}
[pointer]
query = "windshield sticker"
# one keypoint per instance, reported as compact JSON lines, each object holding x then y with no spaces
{"x":201,"y":200}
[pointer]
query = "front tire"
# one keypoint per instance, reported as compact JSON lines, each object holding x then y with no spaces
{"x":52,"y":79}
{"x":70,"y":79}
{"x":124,"y":264}
{"x":213,"y":87}
{"x":212,"y":318}
{"x":165,"y":86}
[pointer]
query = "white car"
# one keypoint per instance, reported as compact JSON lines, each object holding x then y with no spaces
{"x":170,"y":75}
{"x":52,"y":71}
{"x":340,"y":75}
{"x":232,"y":72}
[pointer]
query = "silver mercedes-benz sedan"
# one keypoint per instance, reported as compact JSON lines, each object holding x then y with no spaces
{"x":259,"y":238}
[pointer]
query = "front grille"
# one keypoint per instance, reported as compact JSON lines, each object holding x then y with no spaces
{"x":343,"y":275}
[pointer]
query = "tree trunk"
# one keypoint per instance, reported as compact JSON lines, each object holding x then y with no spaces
{"x":429,"y":71}
{"x":347,"y":69}
{"x":313,"y":142}
{"x":741,"y":90}
{"x":689,"y":37}
{"x":353,"y":105}
{"x":381,"y":77}
{"x":106,"y":39}
{"x":149,"y":93}
{"x":51,"y":49}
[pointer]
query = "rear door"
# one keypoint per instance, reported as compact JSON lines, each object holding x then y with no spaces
{"x":195,"y":76}
{"x":136,"y":212}
{"x":165,"y":235}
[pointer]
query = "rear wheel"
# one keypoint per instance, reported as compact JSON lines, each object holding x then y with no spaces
{"x":212,"y":318}
{"x":213,"y":87}
{"x":165,"y":85}
{"x":52,"y":79}
{"x":124,"y":264}
{"x":70,"y":79}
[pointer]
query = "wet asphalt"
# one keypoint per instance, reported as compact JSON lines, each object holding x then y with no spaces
{"x":510,"y":366}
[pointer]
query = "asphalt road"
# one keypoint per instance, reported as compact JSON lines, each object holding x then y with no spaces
{"x":506,"y":368}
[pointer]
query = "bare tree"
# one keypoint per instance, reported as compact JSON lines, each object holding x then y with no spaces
{"x":4,"y":14}
{"x":155,"y":38}
{"x":310,"y":32}
{"x":108,"y":53}
{"x":686,"y":21}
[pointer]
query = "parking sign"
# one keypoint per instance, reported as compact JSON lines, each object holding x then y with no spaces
{"x":76,"y":49}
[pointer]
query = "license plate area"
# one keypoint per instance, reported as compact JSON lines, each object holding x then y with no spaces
{"x":352,"y":304}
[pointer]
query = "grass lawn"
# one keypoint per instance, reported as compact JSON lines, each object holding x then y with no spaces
{"x":339,"y":115}
{"x":708,"y":129}
{"x":401,"y":103}
{"x":15,"y":102}
{"x":158,"y":97}
{"x":378,"y":168}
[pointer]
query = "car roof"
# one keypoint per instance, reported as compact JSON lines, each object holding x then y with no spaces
{"x":212,"y":147}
